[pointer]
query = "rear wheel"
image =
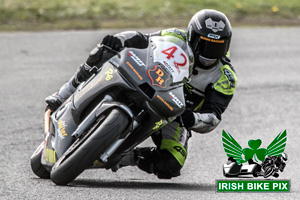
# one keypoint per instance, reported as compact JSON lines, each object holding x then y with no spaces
{"x":36,"y":165}
{"x":86,"y":150}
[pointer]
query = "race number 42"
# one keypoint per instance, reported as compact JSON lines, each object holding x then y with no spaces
{"x":170,"y":52}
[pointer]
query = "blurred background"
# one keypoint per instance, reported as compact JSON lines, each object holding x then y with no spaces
{"x":35,"y":15}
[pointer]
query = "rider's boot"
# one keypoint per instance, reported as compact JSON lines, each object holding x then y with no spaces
{"x":137,"y":157}
{"x":153,"y":161}
{"x":129,"y":159}
{"x":55,"y":100}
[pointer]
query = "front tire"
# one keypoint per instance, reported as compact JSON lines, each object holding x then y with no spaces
{"x":36,"y":165}
{"x":81,"y":155}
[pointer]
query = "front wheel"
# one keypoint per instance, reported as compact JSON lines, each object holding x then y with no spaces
{"x":82,"y":154}
{"x":36,"y":165}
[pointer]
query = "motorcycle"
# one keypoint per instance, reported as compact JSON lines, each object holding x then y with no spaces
{"x":273,"y":165}
{"x":135,"y":93}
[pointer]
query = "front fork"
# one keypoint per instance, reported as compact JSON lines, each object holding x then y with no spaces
{"x":106,"y":104}
{"x":47,"y":121}
{"x":114,"y":146}
{"x":90,"y":119}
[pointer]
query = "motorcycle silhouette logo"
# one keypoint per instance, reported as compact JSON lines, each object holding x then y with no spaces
{"x":272,"y":158}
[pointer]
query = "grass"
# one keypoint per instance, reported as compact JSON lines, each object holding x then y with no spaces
{"x":94,"y":14}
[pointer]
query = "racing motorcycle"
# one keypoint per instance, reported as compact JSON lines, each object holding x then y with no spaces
{"x":135,"y":93}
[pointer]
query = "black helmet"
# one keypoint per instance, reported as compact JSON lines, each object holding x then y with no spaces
{"x":209,"y":35}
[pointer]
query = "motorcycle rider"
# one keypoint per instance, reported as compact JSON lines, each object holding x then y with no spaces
{"x":273,"y":164}
{"x":212,"y":85}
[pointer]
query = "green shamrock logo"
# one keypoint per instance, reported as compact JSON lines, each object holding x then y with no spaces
{"x":233,"y":148}
{"x":254,"y":151}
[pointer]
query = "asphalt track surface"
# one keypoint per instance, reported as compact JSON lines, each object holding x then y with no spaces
{"x":266,"y":102}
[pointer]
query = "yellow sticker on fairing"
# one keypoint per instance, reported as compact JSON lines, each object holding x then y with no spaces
{"x":109,"y":74}
{"x":50,"y":156}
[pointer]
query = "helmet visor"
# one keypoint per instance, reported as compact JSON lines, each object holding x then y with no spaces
{"x":209,"y":48}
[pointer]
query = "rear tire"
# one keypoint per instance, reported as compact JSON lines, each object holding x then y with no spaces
{"x":36,"y":165}
{"x":82,"y":154}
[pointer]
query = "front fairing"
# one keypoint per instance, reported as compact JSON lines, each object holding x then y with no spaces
{"x":154,"y":75}
{"x":157,"y":74}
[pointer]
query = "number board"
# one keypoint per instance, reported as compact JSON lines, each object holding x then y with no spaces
{"x":173,"y":58}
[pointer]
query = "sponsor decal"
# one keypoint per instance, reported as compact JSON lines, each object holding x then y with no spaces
{"x":176,"y":100}
{"x":109,"y":73}
{"x":136,"y":59}
{"x":62,"y":128}
{"x":160,"y":124}
{"x":168,"y":67}
{"x":214,"y":26}
{"x":134,"y":70}
{"x":180,"y":150}
{"x":254,"y":161}
{"x":230,"y":77}
{"x":158,"y":76}
{"x":212,"y":40}
{"x":227,"y":82}
{"x":50,"y":155}
{"x":165,"y":102}
{"x":213,"y":36}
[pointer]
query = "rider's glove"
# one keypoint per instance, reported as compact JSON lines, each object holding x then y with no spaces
{"x":113,"y":42}
{"x":186,"y":119}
